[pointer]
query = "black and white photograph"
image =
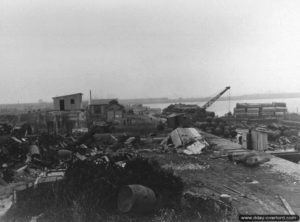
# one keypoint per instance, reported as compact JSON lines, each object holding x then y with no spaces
{"x":149,"y":111}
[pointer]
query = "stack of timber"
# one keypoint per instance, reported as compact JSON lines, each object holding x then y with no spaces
{"x":240,"y":112}
{"x":273,"y":110}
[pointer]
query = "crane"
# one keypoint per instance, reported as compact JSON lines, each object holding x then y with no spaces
{"x":214,"y":99}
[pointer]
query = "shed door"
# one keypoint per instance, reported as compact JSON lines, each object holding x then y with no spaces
{"x":62,"y":104}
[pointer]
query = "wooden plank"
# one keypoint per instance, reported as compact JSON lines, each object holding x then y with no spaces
{"x":238,"y":192}
{"x":287,"y":206}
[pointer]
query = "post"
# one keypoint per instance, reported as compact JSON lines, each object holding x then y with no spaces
{"x":90,"y":97}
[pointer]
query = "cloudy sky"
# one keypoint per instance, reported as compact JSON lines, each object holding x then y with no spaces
{"x":142,"y":48}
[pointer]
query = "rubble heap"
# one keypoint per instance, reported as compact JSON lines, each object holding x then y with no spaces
{"x":90,"y":187}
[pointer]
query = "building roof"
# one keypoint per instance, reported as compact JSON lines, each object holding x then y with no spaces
{"x":75,"y":94}
{"x":101,"y":101}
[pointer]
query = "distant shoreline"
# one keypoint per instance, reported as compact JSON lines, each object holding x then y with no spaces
{"x":205,"y":99}
{"x":179,"y":100}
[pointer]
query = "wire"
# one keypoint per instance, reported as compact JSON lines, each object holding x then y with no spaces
{"x":229,"y":101}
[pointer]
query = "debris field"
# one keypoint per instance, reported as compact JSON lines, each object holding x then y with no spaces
{"x":181,"y":175}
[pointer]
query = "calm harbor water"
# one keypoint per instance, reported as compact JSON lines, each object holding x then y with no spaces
{"x":222,"y":107}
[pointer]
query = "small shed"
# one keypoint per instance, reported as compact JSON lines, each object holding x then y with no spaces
{"x":68,"y":102}
{"x":259,"y":140}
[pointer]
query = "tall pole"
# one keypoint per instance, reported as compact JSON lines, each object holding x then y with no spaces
{"x":88,"y":114}
{"x":90,"y":96}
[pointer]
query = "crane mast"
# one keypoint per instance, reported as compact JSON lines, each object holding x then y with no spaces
{"x":214,"y":99}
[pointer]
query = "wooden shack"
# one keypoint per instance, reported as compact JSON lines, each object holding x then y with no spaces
{"x":68,"y":102}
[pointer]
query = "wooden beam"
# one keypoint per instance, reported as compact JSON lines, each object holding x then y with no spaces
{"x":287,"y":205}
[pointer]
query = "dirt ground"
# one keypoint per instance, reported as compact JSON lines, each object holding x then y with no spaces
{"x":204,"y":175}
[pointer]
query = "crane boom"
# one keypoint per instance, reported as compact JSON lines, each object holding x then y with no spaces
{"x":214,"y":99}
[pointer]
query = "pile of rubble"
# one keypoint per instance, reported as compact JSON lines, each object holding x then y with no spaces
{"x":97,"y":183}
{"x":91,"y":168}
{"x":48,"y":152}
{"x":217,"y":126}
{"x":34,"y":153}
{"x":84,"y":174}
{"x":280,"y":136}
{"x":99,"y":179}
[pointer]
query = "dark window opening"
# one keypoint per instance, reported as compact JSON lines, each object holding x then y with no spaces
{"x":97,"y":109}
{"x":61,"y":104}
{"x":72,"y":101}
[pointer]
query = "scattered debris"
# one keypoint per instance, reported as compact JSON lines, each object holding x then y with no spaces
{"x":195,"y":148}
{"x":226,"y":198}
{"x":250,"y":181}
{"x":250,"y":159}
{"x":35,"y":218}
{"x":96,"y":172}
{"x":188,"y":166}
{"x":5,"y":204}
{"x":105,"y":176}
{"x":186,"y":140}
{"x":256,"y":160}
{"x":211,"y":209}
{"x":238,"y":192}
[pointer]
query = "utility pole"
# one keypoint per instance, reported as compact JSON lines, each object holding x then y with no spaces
{"x":90,"y":97}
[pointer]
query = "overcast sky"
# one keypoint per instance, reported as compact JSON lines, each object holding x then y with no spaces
{"x":142,"y":48}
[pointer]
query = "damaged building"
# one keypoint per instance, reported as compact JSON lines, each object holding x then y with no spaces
{"x":105,"y":110}
{"x":67,"y":114}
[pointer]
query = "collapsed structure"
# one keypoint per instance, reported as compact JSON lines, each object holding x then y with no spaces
{"x":187,"y":140}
